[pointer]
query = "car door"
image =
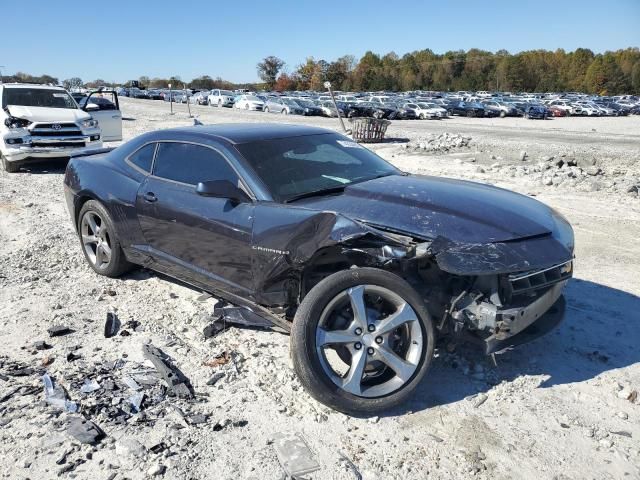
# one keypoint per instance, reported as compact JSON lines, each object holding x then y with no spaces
{"x":204,"y":239}
{"x":107,"y":114}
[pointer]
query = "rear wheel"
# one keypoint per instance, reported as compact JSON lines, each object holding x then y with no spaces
{"x":9,"y":167}
{"x":470,"y":114}
{"x":284,"y":111}
{"x":362,"y":340}
{"x":99,"y":241}
{"x":503,"y":114}
{"x":219,"y":103}
{"x":266,"y":109}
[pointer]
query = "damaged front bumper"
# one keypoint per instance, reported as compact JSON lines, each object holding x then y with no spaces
{"x":524,"y":324}
{"x":22,"y":148}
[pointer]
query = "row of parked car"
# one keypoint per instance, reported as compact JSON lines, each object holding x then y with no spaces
{"x":404,"y":106}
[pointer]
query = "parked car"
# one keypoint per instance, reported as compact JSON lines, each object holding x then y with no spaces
{"x":249,"y":102}
{"x":536,"y":112}
{"x":557,"y":111}
{"x":154,"y":94}
{"x":283,"y":105}
{"x":221,"y":98}
{"x":38,"y":122}
{"x":329,"y":109}
{"x":466,"y":109}
{"x":309,"y":108}
{"x":433,"y":109}
{"x":503,"y":109}
{"x":278,"y":219}
{"x":199,"y":98}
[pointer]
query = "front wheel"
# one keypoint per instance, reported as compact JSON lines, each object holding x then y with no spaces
{"x":9,"y":167}
{"x":362,"y":340}
{"x":266,"y":109}
{"x":219,"y":103}
{"x":100,"y":244}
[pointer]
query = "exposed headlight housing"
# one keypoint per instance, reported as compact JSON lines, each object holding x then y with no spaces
{"x":14,"y":122}
{"x":90,"y":123}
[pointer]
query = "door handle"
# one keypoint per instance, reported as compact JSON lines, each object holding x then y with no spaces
{"x":150,"y":197}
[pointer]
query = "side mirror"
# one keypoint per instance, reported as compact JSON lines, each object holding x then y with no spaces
{"x":222,"y":189}
{"x":91,"y":107}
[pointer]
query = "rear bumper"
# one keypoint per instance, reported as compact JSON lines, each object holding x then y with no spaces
{"x":530,"y":322}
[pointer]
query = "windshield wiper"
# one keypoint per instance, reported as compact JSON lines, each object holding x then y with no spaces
{"x":316,"y":193}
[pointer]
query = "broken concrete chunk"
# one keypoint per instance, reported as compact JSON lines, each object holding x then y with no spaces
{"x":83,"y":430}
{"x":131,"y":383}
{"x":294,"y":455}
{"x":135,"y":401}
{"x":198,"y":419}
{"x":59,"y":330}
{"x":55,"y":396}
{"x":89,"y":386}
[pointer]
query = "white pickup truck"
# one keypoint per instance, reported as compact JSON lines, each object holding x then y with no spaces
{"x":39,"y":122}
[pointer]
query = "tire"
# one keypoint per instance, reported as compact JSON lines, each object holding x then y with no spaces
{"x":117,"y":264}
{"x":284,"y":111}
{"x":470,"y":114}
{"x":10,"y":167}
{"x":503,"y":114}
{"x":246,"y":106}
{"x":266,"y":109}
{"x":219,"y":103}
{"x":312,"y":366}
{"x":422,"y":117}
{"x":450,"y":112}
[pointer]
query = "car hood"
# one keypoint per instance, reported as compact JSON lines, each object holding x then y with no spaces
{"x":48,"y":114}
{"x":430,"y":207}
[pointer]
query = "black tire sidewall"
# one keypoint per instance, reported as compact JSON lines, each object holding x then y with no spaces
{"x":303,"y":348}
{"x":119,"y":263}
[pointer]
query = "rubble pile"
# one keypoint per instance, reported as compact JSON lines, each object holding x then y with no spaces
{"x":438,"y":143}
{"x":582,"y":174}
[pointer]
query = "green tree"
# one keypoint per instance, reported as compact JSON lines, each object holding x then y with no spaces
{"x":269,"y":68}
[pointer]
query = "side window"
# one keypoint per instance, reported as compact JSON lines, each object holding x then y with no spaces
{"x":143,"y":158}
{"x":187,"y":163}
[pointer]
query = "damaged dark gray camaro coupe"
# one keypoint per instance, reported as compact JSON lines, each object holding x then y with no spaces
{"x":365,"y":265}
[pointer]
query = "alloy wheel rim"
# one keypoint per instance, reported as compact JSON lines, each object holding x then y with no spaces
{"x":96,"y":240}
{"x":369,"y":341}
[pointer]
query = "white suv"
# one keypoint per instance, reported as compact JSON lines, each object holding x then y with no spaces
{"x":39,"y":122}
{"x":221,"y":98}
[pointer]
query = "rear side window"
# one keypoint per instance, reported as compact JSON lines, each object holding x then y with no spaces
{"x":143,"y":158}
{"x":187,"y":163}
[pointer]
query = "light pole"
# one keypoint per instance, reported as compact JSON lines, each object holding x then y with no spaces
{"x":171,"y":99}
{"x":327,"y":85}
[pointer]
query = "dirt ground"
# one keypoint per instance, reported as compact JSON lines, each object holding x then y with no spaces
{"x":562,"y":407}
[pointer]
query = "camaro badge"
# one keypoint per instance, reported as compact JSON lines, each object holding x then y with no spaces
{"x":270,"y":250}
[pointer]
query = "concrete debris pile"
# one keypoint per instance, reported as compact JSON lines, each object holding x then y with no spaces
{"x":583,"y":174}
{"x":438,"y":143}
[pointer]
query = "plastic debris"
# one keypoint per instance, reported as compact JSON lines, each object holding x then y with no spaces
{"x":215,"y":378}
{"x":55,"y":396}
{"x":220,"y":359}
{"x":131,"y":383}
{"x":111,"y":325}
{"x":83,"y":430}
{"x":135,"y":401}
{"x":294,"y":455}
{"x":59,"y":330}
{"x":174,"y":378}
{"x":89,"y":386}
{"x":226,"y":315}
{"x":41,"y":345}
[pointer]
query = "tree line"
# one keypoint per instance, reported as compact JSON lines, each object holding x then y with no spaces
{"x":582,"y":70}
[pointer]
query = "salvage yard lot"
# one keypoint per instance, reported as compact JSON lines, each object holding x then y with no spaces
{"x":561,"y":407}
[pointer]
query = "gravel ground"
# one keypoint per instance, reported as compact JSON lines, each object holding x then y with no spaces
{"x":563,"y":407}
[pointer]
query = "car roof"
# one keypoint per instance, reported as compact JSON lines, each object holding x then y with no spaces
{"x":31,"y":86}
{"x":238,"y":133}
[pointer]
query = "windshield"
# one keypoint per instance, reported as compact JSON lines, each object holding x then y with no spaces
{"x":296,"y":166}
{"x":226,"y":92}
{"x":37,"y":97}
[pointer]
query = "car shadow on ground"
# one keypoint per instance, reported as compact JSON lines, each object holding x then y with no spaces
{"x":601,"y":332}
{"x":47,"y":167}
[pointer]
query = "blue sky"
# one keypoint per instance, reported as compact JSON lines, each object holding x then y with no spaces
{"x":118,"y":40}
